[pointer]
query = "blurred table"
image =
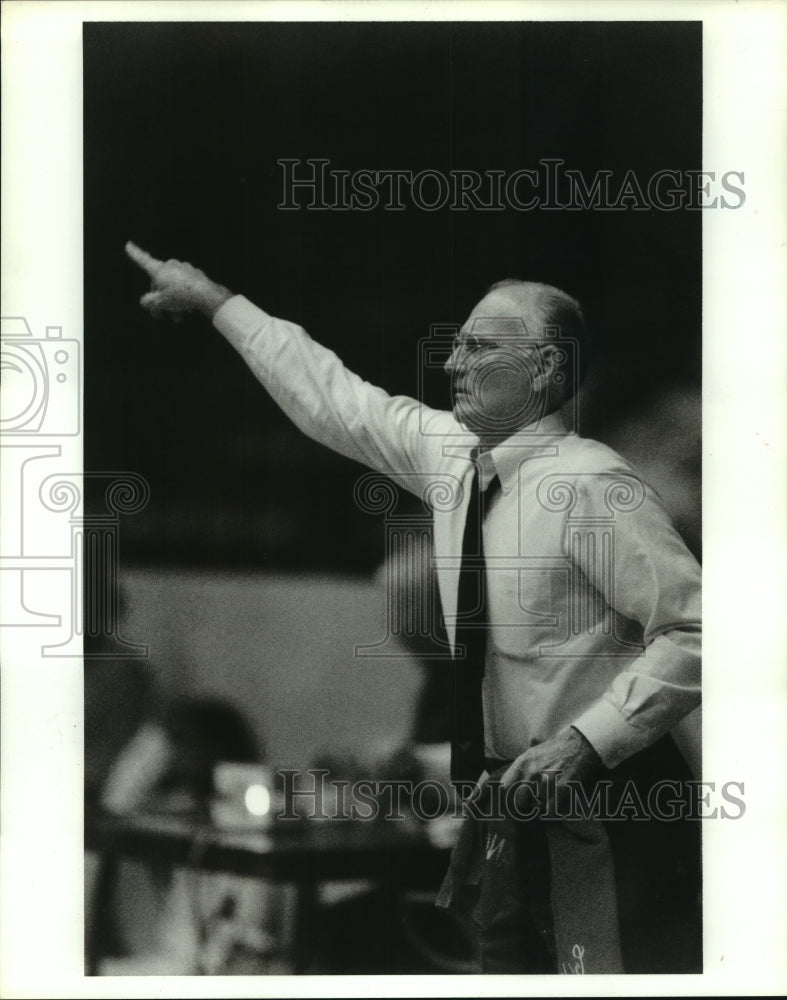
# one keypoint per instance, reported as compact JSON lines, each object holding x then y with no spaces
{"x":394,"y":854}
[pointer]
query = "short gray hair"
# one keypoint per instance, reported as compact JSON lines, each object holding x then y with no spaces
{"x":554,"y":314}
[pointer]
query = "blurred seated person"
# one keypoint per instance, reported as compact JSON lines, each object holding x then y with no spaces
{"x":119,"y":696}
{"x":203,"y":922}
{"x":167,"y":766}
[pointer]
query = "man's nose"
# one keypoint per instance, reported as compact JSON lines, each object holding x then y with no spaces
{"x":452,"y":361}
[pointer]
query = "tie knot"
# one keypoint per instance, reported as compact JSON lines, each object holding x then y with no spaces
{"x":484,"y":468}
{"x":492,"y":486}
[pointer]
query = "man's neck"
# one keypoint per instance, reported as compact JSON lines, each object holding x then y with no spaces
{"x":488,"y":442}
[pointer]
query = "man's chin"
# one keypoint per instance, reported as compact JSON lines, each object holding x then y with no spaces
{"x":465,"y":418}
{"x":476,"y":425}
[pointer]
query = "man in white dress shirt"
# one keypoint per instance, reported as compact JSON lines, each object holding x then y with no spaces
{"x":592,"y":599}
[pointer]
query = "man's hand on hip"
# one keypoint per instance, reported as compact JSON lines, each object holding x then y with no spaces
{"x":177,"y":287}
{"x":550,"y":766}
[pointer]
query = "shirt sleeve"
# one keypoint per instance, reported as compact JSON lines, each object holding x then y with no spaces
{"x":329,"y":403}
{"x":655,"y":581}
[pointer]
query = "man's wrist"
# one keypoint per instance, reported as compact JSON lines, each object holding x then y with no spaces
{"x":585,"y":748}
{"x":213,"y":298}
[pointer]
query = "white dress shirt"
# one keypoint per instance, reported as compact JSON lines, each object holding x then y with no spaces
{"x":593,"y":599}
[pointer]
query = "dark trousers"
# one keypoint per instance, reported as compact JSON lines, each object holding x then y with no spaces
{"x":658,"y":883}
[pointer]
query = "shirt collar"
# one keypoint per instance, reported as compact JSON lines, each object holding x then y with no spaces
{"x":504,"y":459}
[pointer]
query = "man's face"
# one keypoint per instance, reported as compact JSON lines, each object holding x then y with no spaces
{"x":494,"y":369}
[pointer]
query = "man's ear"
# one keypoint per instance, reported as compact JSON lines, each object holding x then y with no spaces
{"x":548,"y":366}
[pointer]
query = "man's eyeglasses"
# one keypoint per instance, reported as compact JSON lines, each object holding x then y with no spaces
{"x":473,"y":344}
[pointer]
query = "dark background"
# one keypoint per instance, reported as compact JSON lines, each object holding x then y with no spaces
{"x":183,"y":126}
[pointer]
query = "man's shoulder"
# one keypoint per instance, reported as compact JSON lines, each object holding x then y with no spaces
{"x":441,"y":424}
{"x":600,"y":480}
{"x":586,"y":456}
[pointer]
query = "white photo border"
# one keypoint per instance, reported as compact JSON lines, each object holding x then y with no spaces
{"x":744,"y":421}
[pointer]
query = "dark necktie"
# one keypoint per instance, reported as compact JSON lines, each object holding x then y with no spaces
{"x":467,"y":739}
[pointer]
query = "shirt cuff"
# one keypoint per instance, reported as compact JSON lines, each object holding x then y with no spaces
{"x":609,"y":734}
{"x":239,"y":320}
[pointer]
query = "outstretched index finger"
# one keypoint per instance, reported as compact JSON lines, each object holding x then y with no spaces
{"x":143,"y":259}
